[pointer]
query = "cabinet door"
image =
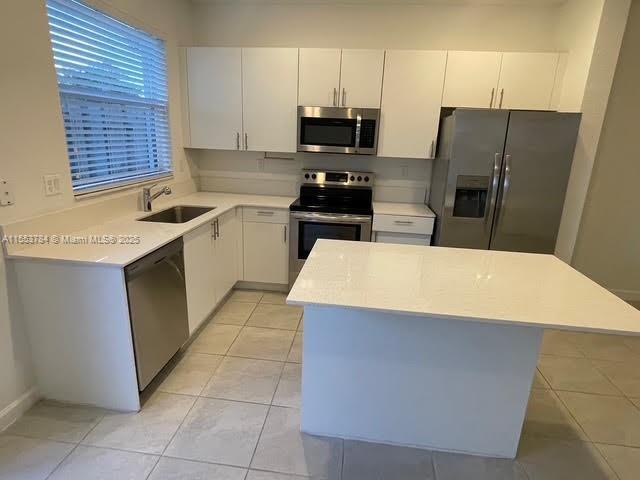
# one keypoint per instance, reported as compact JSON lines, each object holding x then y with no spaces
{"x":471,"y":79}
{"x":199,"y":275}
{"x":214,"y":79}
{"x":270,"y":94}
{"x":319,"y":77}
{"x":411,"y":94}
{"x":226,"y":252}
{"x":266,"y":252}
{"x":527,"y":80}
{"x":361,"y":78}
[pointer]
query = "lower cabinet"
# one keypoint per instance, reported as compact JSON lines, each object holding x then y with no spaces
{"x":211,"y":266}
{"x":402,"y":229}
{"x":266,"y":245}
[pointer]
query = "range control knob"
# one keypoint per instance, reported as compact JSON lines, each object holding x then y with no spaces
{"x":352,"y":178}
{"x":306,"y":175}
{"x":366,"y":179}
{"x":313,"y":176}
{"x":359,"y":178}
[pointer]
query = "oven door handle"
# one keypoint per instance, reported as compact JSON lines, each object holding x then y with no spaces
{"x":323,"y":217}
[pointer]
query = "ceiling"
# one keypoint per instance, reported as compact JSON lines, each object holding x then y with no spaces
{"x":392,"y":2}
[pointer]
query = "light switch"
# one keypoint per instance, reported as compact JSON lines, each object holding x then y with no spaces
{"x":6,"y":193}
{"x":51,"y":185}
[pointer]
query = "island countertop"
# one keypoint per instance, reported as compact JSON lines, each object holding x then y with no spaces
{"x":479,"y":285}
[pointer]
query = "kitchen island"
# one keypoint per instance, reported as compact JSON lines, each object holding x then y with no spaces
{"x":435,"y":347}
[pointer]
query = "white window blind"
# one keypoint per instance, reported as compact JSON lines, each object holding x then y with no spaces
{"x":113,"y":91}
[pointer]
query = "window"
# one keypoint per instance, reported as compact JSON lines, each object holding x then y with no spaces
{"x":113,"y":91}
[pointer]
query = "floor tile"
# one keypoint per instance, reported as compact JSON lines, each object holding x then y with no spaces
{"x":625,"y":376}
{"x":244,"y":379}
{"x":539,"y":381}
{"x":575,"y":374}
{"x":283,"y":448}
{"x":625,"y":461}
{"x":147,"y":431}
{"x":555,"y":342}
{"x":288,"y":391}
{"x":176,"y":469}
{"x":636,"y":401}
{"x":215,"y":339}
{"x":103,"y":464}
{"x":605,"y":419}
{"x":453,"y":466}
{"x":260,"y":475}
{"x":57,"y":421}
{"x":364,"y":461}
{"x":250,"y":296}
{"x":276,"y":298}
{"x":234,"y":313}
{"x":295,"y":354}
{"x":285,"y":317}
{"x":547,"y":416}
{"x":555,"y":459}
{"x":191,"y":374}
{"x":219,"y":431}
{"x":262,"y":343}
{"x":605,"y":347}
{"x":24,"y":458}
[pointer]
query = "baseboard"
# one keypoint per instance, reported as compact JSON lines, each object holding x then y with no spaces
{"x":267,"y":287}
{"x":628,"y":295}
{"x":15,"y":409}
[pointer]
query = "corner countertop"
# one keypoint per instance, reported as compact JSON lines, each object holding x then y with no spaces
{"x":476,"y":285}
{"x":152,"y":235}
{"x":405,"y":209}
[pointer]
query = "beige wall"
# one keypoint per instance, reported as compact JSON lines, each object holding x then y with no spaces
{"x":608,"y":245}
{"x":32,"y":138}
{"x":434,"y":26}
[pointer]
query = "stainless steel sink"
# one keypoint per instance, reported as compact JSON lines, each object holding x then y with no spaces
{"x":177,"y":214}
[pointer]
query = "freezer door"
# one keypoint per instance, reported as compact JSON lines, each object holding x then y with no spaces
{"x":474,"y":164}
{"x":535,"y":172}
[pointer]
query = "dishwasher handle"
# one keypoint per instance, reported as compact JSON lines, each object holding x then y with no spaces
{"x":169,"y":253}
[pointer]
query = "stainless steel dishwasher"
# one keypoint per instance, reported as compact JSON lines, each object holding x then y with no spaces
{"x":157,"y":308}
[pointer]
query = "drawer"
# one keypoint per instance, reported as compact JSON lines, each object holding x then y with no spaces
{"x":265,"y":215}
{"x":403,"y":224}
{"x":402,"y":238}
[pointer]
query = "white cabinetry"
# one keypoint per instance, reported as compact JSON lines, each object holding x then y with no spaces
{"x":199,"y":274}
{"x":527,"y":80}
{"x":214,"y":79}
{"x":402,"y":229}
{"x":266,"y":245}
{"x":269,"y":86}
{"x":344,"y":78}
{"x":471,"y":79}
{"x":226,"y":245}
{"x":410,"y":113}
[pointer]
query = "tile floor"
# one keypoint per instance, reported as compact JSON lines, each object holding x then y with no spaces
{"x":228,"y":408}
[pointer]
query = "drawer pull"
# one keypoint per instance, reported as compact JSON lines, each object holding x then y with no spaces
{"x":264,"y":212}
{"x":403,"y":222}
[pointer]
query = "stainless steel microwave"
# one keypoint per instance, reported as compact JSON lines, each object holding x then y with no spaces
{"x":338,"y":130}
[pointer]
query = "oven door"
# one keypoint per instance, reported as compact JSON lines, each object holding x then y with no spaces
{"x":337,"y":130}
{"x":307,"y":227}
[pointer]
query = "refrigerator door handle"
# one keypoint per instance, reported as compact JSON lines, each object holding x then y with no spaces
{"x":505,"y":187}
{"x":493,"y":192}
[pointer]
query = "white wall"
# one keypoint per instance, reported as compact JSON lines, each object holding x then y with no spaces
{"x":33,"y":144}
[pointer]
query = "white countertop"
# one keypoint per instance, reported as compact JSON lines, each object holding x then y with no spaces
{"x":480,"y":285}
{"x":152,"y":234}
{"x":407,"y":209}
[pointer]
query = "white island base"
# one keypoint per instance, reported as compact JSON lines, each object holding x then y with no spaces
{"x":415,"y":380}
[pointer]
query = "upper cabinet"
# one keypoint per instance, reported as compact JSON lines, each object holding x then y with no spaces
{"x":413,"y":81}
{"x":319,"y":77}
{"x":471,"y":79}
{"x":527,"y":80}
{"x":340,"y":78}
{"x":214,"y":82}
{"x":510,"y":80}
{"x":269,"y":87}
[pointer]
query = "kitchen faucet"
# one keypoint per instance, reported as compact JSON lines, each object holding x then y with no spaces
{"x":147,"y":198}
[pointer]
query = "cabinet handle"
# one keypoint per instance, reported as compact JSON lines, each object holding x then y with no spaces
{"x":217,"y":229}
{"x":246,"y":141}
{"x":403,"y":222}
{"x":501,"y":97}
{"x":237,"y":140}
{"x":285,"y":234}
{"x":344,"y":97}
{"x":335,"y":97}
{"x":493,"y":93}
{"x":433,"y":144}
{"x":265,"y":212}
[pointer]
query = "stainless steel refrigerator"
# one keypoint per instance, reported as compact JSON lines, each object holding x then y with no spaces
{"x":499,"y":178}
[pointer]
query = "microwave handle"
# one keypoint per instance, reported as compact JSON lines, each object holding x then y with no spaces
{"x":358,"y":127}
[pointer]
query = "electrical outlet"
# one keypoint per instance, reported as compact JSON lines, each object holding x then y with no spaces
{"x":260,"y":164}
{"x":6,"y":194}
{"x":51,"y":185}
